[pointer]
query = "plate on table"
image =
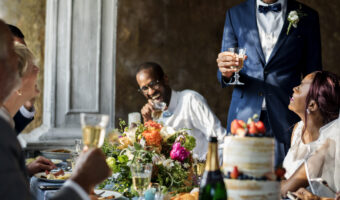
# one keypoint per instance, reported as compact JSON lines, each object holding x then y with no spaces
{"x":107,"y":194}
{"x":56,"y":161}
{"x":60,"y":154}
{"x":59,"y":179}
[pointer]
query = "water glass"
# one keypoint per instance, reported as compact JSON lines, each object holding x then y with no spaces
{"x":141,"y":177}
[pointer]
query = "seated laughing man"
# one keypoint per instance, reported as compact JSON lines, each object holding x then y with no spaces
{"x":184,"y":109}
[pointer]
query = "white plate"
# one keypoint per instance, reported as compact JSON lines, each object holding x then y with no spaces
{"x":107,"y":193}
{"x":41,"y":176}
{"x":56,"y":161}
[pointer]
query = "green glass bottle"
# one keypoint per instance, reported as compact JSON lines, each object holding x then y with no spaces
{"x":212,"y":185}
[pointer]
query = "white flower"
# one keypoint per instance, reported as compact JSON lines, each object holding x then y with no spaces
{"x":129,"y":154}
{"x":158,"y":159}
{"x":293,"y":18}
{"x":166,"y":132}
{"x":168,"y":163}
{"x":131,"y":134}
{"x":186,"y":165}
{"x":142,"y":143}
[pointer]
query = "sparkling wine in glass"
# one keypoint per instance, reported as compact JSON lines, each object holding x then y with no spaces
{"x":93,"y":126}
{"x":240,"y":54}
{"x":159,"y":107}
{"x":141,"y":177}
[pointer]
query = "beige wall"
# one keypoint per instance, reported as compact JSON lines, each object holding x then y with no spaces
{"x":29,"y":16}
{"x":184,"y":36}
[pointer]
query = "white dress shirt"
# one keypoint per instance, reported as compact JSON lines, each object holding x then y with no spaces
{"x":189,"y":109}
{"x":269,"y":26}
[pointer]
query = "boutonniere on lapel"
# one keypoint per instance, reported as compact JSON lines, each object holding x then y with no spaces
{"x":294,"y":18}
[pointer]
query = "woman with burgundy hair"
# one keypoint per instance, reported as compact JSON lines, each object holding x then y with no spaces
{"x":316,"y":101}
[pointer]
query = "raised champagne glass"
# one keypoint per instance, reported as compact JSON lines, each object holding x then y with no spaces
{"x":141,"y":177}
{"x":159,"y":107}
{"x":93,"y":127}
{"x":240,"y":54}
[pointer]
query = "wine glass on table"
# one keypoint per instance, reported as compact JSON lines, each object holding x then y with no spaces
{"x":141,"y":177}
{"x":199,"y":166}
{"x":93,"y":127}
{"x":240,"y":54}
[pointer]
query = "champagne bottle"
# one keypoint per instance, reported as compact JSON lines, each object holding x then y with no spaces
{"x":212,"y":185}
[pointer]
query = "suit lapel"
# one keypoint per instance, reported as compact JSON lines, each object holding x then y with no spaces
{"x":283,"y":34}
{"x":253,"y":26}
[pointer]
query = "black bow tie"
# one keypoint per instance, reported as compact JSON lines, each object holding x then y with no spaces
{"x":275,"y":8}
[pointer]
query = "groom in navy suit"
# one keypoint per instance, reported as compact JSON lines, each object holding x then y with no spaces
{"x":278,"y":55}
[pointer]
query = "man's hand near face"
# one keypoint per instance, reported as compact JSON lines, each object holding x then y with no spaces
{"x":147,"y":111}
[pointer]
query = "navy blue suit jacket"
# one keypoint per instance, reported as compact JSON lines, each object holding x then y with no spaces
{"x":294,"y":55}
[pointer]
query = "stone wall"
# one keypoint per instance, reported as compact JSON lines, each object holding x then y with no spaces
{"x":184,"y":36}
{"x":29,"y":16}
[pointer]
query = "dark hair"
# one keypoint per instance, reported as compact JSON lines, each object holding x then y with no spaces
{"x":156,"y":68}
{"x":16,"y":31}
{"x":325,"y":91}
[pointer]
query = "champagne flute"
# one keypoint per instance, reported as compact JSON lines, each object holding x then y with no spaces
{"x":240,"y":55}
{"x":141,"y":177}
{"x":199,"y":167}
{"x":93,"y":126}
{"x":159,"y":107}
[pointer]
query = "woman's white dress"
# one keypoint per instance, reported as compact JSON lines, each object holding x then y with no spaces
{"x":299,"y":152}
{"x":321,"y":157}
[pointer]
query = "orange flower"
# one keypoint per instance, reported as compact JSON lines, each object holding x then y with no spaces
{"x":153,"y":125}
{"x":152,"y":137}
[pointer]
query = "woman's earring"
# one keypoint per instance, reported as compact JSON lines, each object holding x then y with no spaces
{"x":19,"y":92}
{"x":308,"y":112}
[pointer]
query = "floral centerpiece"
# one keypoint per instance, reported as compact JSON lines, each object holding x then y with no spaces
{"x":169,"y":150}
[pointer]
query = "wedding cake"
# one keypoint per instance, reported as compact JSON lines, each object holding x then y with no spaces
{"x":248,"y":163}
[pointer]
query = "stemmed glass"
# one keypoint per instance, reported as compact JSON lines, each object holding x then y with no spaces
{"x":93,"y":126}
{"x":141,"y":177}
{"x":240,"y":55}
{"x":199,"y":167}
{"x":159,"y":107}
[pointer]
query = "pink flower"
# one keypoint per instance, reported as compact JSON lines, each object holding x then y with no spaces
{"x":178,"y":152}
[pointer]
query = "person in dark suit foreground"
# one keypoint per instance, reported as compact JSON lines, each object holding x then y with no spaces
{"x":282,"y":41}
{"x":28,"y":90}
{"x":91,"y":167}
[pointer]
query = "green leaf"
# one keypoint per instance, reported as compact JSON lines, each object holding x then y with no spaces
{"x":137,"y":146}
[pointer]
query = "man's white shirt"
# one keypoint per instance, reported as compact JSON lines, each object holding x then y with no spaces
{"x":26,"y":113}
{"x":189,"y":109}
{"x":269,"y":27}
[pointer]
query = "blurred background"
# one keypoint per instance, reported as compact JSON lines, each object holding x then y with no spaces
{"x":183,"y":36}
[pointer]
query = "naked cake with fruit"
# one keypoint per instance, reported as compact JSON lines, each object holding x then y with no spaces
{"x":248,"y":162}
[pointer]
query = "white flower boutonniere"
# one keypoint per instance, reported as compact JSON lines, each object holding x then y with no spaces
{"x":294,"y":18}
